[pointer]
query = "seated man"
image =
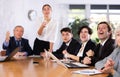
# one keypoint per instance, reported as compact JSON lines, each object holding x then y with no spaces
{"x":69,"y":44}
{"x":111,"y":64}
{"x":11,"y":43}
{"x":106,"y":45}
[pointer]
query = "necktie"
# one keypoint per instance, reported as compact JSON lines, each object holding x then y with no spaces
{"x":80,"y":53}
{"x":100,"y":50}
{"x":19,"y":44}
{"x":66,"y":47}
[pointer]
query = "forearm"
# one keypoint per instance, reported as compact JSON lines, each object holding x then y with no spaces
{"x":5,"y":45}
{"x":40,"y":30}
{"x":113,"y":71}
{"x":100,"y":64}
{"x":51,"y":47}
{"x":74,"y":57}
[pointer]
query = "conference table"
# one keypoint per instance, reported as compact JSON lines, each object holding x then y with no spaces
{"x":38,"y":67}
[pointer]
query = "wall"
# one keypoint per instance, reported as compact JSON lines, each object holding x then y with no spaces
{"x":15,"y":12}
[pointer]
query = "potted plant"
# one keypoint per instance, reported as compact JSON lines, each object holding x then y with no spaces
{"x":75,"y":26}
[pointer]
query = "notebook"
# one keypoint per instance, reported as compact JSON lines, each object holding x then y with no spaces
{"x":7,"y":58}
{"x":67,"y":65}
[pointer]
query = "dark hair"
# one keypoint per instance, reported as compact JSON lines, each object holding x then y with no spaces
{"x":66,"y":29}
{"x":104,"y":22}
{"x":108,"y":26}
{"x":46,"y":5}
{"x":87,"y":27}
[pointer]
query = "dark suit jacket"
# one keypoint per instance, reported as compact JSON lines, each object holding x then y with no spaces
{"x":12,"y":45}
{"x":90,"y":45}
{"x":73,"y":48}
{"x":107,"y":49}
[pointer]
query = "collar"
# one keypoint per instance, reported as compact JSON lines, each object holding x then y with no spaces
{"x":102,"y":43}
{"x":17,"y":39}
{"x":84,"y":43}
{"x":68,"y":42}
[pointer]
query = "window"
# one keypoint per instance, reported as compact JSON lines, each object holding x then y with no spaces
{"x":76,"y":11}
{"x":114,"y":15}
{"x":96,"y":14}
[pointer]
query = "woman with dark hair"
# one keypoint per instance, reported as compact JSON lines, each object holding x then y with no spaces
{"x":86,"y":47}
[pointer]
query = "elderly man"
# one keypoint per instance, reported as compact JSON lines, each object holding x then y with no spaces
{"x":11,"y":43}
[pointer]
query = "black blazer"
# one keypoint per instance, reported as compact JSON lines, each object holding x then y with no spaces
{"x":90,"y":45}
{"x":107,"y":49}
{"x":73,"y":48}
{"x":12,"y":45}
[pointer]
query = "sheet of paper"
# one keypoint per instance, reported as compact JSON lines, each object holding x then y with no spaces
{"x":62,"y":60}
{"x":87,"y":72}
{"x":35,"y":56}
{"x":80,"y":64}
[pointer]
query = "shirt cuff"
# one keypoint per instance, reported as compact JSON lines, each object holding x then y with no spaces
{"x":6,"y":44}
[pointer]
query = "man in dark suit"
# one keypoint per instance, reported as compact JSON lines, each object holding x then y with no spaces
{"x":106,"y":45}
{"x":106,"y":50}
{"x":111,"y":64}
{"x":17,"y":41}
{"x":69,"y":44}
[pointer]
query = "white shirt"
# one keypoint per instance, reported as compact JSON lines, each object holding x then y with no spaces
{"x":49,"y":32}
{"x":68,"y":43}
{"x":104,"y":42}
{"x":80,"y":53}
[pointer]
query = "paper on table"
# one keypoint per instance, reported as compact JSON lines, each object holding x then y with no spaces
{"x":87,"y":72}
{"x":80,"y":64}
{"x":62,"y":60}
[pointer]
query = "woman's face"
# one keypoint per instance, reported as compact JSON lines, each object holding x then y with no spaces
{"x":84,"y":35}
{"x":117,"y":36}
{"x":46,"y":11}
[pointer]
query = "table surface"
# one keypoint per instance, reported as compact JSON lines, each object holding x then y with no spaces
{"x":29,"y":68}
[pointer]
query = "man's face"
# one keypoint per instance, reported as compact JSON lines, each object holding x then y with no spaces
{"x":66,"y":36}
{"x":84,"y":35}
{"x":18,"y":32}
{"x":103,"y":32}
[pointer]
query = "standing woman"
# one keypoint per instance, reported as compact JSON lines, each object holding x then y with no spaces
{"x":46,"y":33}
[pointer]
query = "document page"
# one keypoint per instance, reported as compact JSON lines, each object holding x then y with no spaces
{"x":87,"y":72}
{"x":80,"y":64}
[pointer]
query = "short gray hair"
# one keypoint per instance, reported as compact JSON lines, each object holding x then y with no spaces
{"x":117,"y":29}
{"x":19,"y":27}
